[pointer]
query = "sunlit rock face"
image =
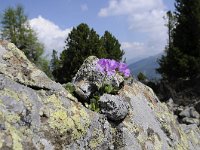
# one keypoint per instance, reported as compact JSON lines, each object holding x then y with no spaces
{"x":37,"y":113}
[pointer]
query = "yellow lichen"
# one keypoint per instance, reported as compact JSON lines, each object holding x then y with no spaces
{"x":74,"y":120}
{"x":17,"y":145}
{"x":193,"y":137}
{"x":53,"y":99}
{"x":183,"y":144}
{"x":26,"y":100}
{"x":1,"y":103}
{"x":9,"y":93}
{"x":16,"y":96}
{"x":81,"y":121}
{"x":169,"y":124}
{"x":9,"y":117}
{"x":60,"y":121}
{"x":97,"y":139}
{"x":12,"y":118}
{"x":1,"y":140}
{"x":158,"y":143}
{"x":15,"y":50}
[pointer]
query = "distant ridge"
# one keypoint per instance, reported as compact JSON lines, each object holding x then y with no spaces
{"x":147,"y":66}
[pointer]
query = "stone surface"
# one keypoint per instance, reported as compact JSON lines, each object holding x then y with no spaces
{"x":189,"y":115}
{"x":113,"y":106}
{"x":188,"y":120}
{"x":37,"y":113}
{"x":197,"y":107}
{"x":185,"y":113}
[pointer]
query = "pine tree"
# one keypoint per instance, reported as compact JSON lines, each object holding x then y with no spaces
{"x":182,"y":59}
{"x":16,"y":29}
{"x":80,"y":43}
{"x":167,"y":69}
{"x":55,"y":64}
{"x":141,"y":77}
{"x":112,"y":46}
{"x":171,"y":22}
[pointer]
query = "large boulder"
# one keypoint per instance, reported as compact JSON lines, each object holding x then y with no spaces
{"x":89,"y":78}
{"x":37,"y":113}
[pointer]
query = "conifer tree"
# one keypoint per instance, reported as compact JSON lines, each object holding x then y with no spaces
{"x":55,"y":64}
{"x":16,"y":29}
{"x":182,"y":59}
{"x":80,"y":43}
{"x":112,"y":46}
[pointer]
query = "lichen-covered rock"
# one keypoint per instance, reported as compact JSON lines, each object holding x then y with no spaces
{"x":89,"y":78}
{"x":14,"y":64}
{"x":37,"y":113}
{"x":113,"y":106}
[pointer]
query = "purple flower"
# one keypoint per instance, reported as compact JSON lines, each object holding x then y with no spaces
{"x":127,"y":72}
{"x":123,"y":68}
{"x":109,"y":67}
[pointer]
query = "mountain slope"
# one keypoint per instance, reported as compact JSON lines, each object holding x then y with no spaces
{"x":147,"y":66}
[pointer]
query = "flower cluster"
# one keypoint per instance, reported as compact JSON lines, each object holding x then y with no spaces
{"x":110,"y":67}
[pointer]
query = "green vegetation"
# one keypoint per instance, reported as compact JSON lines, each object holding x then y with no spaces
{"x":112,"y":46}
{"x":141,"y":77}
{"x":70,"y":88}
{"x":182,"y":59}
{"x":16,"y":29}
{"x":81,"y":43}
{"x":94,"y":98}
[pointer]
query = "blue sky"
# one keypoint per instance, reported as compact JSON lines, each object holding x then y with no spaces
{"x":137,"y":24}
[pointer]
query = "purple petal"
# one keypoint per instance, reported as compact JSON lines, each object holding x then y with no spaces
{"x":122,"y":67}
{"x":127,"y":73}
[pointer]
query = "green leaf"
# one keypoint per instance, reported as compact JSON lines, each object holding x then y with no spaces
{"x":70,"y":87}
{"x":108,"y":89}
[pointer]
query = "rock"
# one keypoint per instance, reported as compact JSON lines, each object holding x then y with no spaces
{"x":185,"y":113}
{"x":187,"y":120}
{"x":189,"y":112}
{"x":113,"y":106}
{"x":89,"y":78}
{"x":194,"y":113}
{"x":170,"y":104}
{"x":37,"y":113}
{"x":191,"y":131}
{"x":14,"y":64}
{"x":197,"y":107}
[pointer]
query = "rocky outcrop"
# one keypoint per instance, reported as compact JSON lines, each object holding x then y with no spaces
{"x":184,"y":92}
{"x":37,"y":113}
{"x":185,"y":115}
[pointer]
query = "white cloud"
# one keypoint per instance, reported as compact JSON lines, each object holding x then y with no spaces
{"x":49,"y":34}
{"x":133,"y":50}
{"x":84,"y":7}
{"x":126,"y":7}
{"x":144,"y":17}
